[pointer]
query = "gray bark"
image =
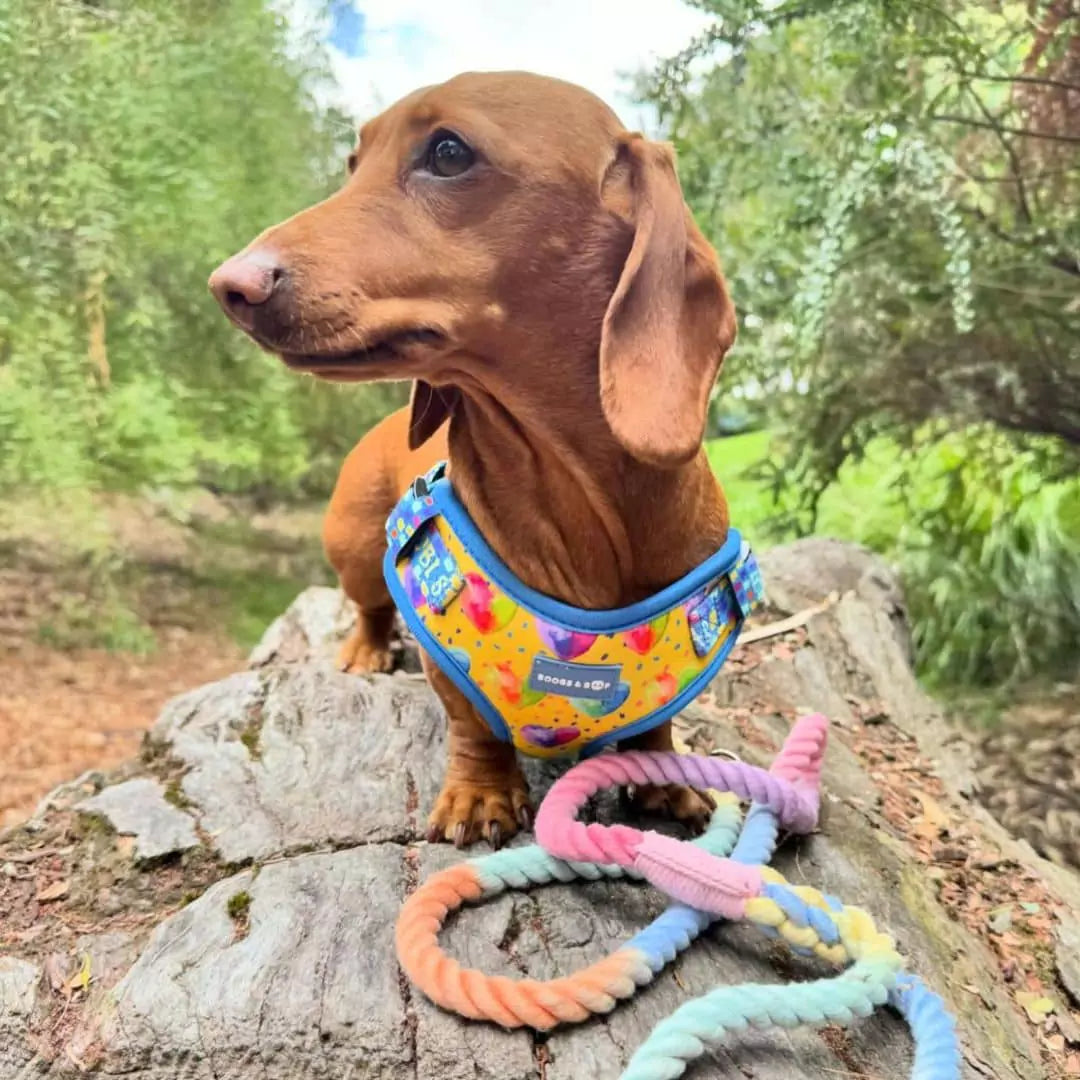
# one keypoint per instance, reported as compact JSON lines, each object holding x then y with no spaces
{"x":309,"y":789}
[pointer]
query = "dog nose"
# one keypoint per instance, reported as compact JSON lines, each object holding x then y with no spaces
{"x":243,"y":282}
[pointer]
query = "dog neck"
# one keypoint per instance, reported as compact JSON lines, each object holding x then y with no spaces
{"x":568,"y":511}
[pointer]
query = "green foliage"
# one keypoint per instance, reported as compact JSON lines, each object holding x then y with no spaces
{"x":97,"y":622}
{"x":987,"y":546}
{"x":894,"y":191}
{"x":252,"y":600}
{"x":896,"y":250}
{"x":143,"y":142}
{"x":238,"y":906}
{"x":991,"y":551}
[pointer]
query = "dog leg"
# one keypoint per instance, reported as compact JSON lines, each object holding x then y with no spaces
{"x":354,"y":538}
{"x":483,"y":793}
{"x":368,"y":647}
{"x":684,"y":804}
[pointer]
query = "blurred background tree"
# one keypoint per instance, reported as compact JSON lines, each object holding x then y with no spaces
{"x":143,"y":142}
{"x":894,"y":190}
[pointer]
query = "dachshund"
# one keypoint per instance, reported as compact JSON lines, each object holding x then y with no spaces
{"x":532,"y":267}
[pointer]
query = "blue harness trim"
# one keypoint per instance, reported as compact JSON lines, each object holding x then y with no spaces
{"x":716,"y":596}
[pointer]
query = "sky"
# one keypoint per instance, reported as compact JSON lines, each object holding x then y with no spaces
{"x":383,"y":49}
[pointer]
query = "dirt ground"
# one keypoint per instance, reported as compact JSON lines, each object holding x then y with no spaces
{"x":147,"y":601}
{"x":63,"y":713}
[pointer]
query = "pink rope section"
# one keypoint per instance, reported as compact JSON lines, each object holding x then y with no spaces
{"x":803,"y":753}
{"x":789,"y":789}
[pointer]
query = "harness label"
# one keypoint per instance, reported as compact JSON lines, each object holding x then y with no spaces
{"x":595,"y":682}
{"x":436,"y":572}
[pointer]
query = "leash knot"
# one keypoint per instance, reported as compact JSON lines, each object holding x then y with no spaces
{"x":704,"y":882}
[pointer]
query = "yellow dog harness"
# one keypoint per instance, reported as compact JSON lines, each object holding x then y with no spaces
{"x":555,"y":679}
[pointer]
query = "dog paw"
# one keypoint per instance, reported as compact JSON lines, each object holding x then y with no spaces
{"x":692,"y":808}
{"x":360,"y":656}
{"x":464,"y":812}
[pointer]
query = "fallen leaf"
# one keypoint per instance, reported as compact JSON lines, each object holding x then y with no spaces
{"x":1000,"y":919}
{"x":55,"y":891}
{"x":81,"y":979}
{"x":1037,"y":1008}
{"x":125,"y":845}
{"x":56,"y":968}
{"x":933,"y":821}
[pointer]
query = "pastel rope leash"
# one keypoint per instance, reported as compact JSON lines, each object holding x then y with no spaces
{"x":684,"y":871}
{"x":700,"y":874}
{"x":529,"y":1002}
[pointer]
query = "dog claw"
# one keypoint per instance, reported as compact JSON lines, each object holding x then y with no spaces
{"x":525,"y":817}
{"x":434,"y":834}
{"x":467,"y":811}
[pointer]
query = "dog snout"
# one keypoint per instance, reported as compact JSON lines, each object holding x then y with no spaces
{"x":245,"y":283}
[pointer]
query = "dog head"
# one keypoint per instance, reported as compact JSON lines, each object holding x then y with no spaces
{"x":500,"y":234}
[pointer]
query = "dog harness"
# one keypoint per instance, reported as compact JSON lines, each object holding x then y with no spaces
{"x":553,"y":679}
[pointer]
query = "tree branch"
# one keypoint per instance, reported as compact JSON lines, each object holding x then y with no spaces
{"x":1061,"y":260}
{"x":1035,"y":80}
{"x":1010,"y":153}
{"x":949,"y":118}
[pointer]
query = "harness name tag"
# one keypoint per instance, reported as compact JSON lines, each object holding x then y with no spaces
{"x":595,"y":682}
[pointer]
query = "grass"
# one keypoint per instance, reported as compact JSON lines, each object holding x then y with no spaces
{"x":731,"y":458}
{"x":857,"y":507}
{"x":79,"y":622}
{"x":247,"y":601}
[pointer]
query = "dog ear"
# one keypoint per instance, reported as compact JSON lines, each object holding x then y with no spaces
{"x":429,"y":408}
{"x":670,"y":320}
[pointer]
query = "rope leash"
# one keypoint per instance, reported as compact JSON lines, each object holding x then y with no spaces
{"x":528,"y":1002}
{"x":721,"y":873}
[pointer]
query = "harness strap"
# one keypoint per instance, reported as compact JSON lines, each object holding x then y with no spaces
{"x":440,"y":580}
{"x":414,"y":509}
{"x":435,"y":569}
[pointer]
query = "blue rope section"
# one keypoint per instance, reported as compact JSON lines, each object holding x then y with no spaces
{"x":937,"y":1049}
{"x":869,"y":982}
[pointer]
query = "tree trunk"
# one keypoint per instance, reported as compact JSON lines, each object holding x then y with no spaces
{"x":225,"y":907}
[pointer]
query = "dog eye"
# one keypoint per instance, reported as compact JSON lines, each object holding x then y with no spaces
{"x":448,"y":156}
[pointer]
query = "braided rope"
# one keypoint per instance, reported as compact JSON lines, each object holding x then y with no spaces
{"x":529,"y":1002}
{"x":808,"y":920}
{"x":790,"y":789}
{"x":811,"y":922}
{"x":937,"y":1049}
{"x":705,"y":882}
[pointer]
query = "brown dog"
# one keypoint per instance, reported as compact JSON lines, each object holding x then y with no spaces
{"x":532,"y":266}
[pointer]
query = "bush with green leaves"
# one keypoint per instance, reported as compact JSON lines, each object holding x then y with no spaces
{"x":990,"y":549}
{"x":895,"y":192}
{"x":984,"y":530}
